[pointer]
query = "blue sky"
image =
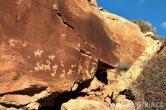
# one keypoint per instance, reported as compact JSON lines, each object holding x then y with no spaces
{"x":153,"y":11}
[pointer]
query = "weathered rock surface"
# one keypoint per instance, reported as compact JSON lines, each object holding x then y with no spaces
{"x":85,"y":104}
{"x":132,"y":41}
{"x":40,"y":46}
{"x":48,"y":48}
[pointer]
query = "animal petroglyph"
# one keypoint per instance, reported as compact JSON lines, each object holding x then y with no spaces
{"x":43,"y":67}
{"x":38,"y":53}
{"x":55,"y":67}
{"x":47,"y":67}
{"x":51,"y":57}
{"x":53,"y":74}
{"x":69,"y":72}
{"x":37,"y":69}
{"x":63,"y":74}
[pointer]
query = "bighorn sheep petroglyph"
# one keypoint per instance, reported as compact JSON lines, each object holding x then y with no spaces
{"x":38,"y":53}
{"x":51,"y":57}
{"x":36,"y":69}
{"x":47,"y":67}
{"x":55,"y":67}
{"x":63,"y":74}
{"x":69,"y":72}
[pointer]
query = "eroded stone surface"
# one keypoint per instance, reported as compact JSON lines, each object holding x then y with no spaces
{"x":47,"y":46}
{"x":85,"y":103}
{"x":132,"y":41}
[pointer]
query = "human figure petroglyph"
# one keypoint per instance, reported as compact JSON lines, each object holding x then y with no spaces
{"x":62,"y":64}
{"x":38,"y":53}
{"x":51,"y":57}
{"x":12,"y":43}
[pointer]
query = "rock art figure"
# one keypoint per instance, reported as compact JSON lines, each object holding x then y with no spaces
{"x":63,"y":74}
{"x":51,"y":57}
{"x":47,"y":67}
{"x":12,"y":43}
{"x":69,"y":72}
{"x":38,"y":53}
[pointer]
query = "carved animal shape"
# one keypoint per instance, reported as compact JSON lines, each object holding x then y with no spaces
{"x":47,"y":67}
{"x":41,"y":67}
{"x":63,"y":74}
{"x":53,"y":74}
{"x":38,"y":66}
{"x":55,"y":67}
{"x":36,"y":69}
{"x":69,"y":72}
{"x":51,"y":57}
{"x":38,"y":53}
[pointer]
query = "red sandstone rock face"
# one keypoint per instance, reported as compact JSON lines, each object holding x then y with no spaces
{"x":51,"y":44}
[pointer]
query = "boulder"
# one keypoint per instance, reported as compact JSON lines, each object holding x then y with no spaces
{"x":84,"y":104}
{"x":132,"y":42}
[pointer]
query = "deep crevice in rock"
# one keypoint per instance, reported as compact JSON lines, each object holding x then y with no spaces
{"x":28,"y":91}
{"x":128,"y":94}
{"x":59,"y":100}
{"x":10,"y":106}
{"x":101,"y":73}
{"x":64,"y":22}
